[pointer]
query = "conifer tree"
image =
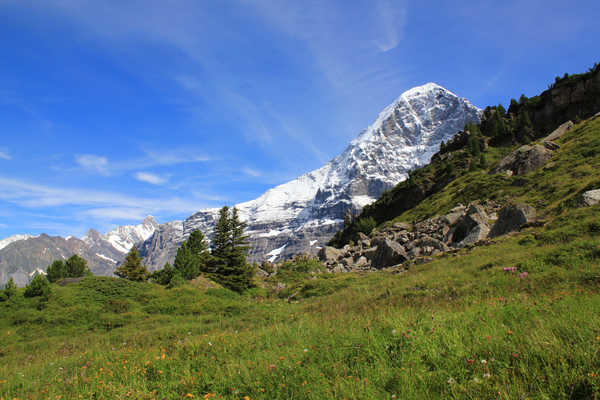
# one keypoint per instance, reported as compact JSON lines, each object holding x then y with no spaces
{"x":132,"y":267}
{"x":229,"y":247}
{"x":76,"y":267}
{"x":192,"y":256}
{"x":56,"y":271}
{"x":10,"y":289}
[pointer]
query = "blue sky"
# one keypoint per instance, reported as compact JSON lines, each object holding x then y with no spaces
{"x":112,"y":110}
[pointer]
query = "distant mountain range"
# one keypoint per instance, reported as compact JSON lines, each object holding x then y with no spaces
{"x":295,"y":217}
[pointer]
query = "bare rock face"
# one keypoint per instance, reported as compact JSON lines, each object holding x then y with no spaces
{"x":590,"y":198}
{"x":511,"y":218}
{"x":162,"y":246}
{"x":524,"y":160}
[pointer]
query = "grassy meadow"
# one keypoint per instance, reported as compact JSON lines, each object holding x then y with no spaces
{"x":518,"y":318}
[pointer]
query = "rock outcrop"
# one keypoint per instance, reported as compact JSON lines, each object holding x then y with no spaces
{"x":523,"y":160}
{"x":400,"y":242}
{"x":590,"y":198}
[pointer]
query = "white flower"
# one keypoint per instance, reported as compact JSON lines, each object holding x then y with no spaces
{"x":487,"y":375}
{"x":483,"y":362}
{"x":451,"y":381}
{"x":394,"y":331}
{"x":476,"y":380}
{"x":209,"y":343}
{"x":306,"y":350}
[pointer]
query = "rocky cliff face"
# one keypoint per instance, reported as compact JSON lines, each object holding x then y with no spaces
{"x":303,"y":214}
{"x":158,"y":249}
{"x":577,"y":96}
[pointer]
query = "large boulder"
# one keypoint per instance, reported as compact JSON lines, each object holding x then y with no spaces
{"x":454,"y":215}
{"x":524,"y":160}
{"x":511,"y":218}
{"x":471,"y":228}
{"x":386,"y":253}
{"x":591,"y":197}
{"x":329,"y":254}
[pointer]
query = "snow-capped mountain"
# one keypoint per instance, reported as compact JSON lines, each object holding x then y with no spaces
{"x":21,"y":256}
{"x":123,"y":238}
{"x":301,"y":215}
{"x":15,"y":238}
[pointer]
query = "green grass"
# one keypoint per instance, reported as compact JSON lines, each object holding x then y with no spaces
{"x":424,"y":333}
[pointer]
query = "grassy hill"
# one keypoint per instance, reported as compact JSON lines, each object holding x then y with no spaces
{"x":514,"y":319}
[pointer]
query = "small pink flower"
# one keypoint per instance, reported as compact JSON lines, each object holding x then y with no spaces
{"x":509,"y":269}
{"x":523,"y":274}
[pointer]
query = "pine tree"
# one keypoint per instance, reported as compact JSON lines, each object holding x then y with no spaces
{"x":192,"y":256}
{"x":229,"y":247}
{"x":56,"y":271}
{"x":39,"y":286}
{"x":76,"y":267}
{"x":132,"y":267}
{"x":10,"y":289}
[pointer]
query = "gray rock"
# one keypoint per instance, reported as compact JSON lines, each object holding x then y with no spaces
{"x":432,"y":243}
{"x":386,"y":254}
{"x":511,"y":218}
{"x":524,"y":160}
{"x":361,"y":262}
{"x":402,"y":226}
{"x":454,"y":215}
{"x":479,"y":232}
{"x":551,"y":146}
{"x":471,"y":228}
{"x":329,"y":254}
{"x":558,"y":132}
{"x":591,"y":197}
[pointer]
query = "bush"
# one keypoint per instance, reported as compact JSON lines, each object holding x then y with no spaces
{"x":39,"y":287}
{"x":9,"y":290}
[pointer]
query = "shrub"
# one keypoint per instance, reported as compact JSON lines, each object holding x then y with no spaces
{"x":39,"y":286}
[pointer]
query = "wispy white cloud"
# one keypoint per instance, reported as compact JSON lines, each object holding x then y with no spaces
{"x":150,"y":178}
{"x":93,"y":163}
{"x":390,"y":20}
{"x":251,"y":172}
{"x":4,"y":154}
{"x":152,"y":158}
{"x":90,"y":202}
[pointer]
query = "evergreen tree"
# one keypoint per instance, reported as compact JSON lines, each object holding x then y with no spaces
{"x":132,"y":267}
{"x":56,"y":271}
{"x":10,"y":289}
{"x":76,"y":267}
{"x":39,"y":286}
{"x":192,"y":256}
{"x":164,"y":275}
{"x":229,"y":247}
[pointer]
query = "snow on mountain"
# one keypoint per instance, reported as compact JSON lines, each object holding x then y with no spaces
{"x":124,"y":237}
{"x":15,"y":238}
{"x":293,"y":217}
